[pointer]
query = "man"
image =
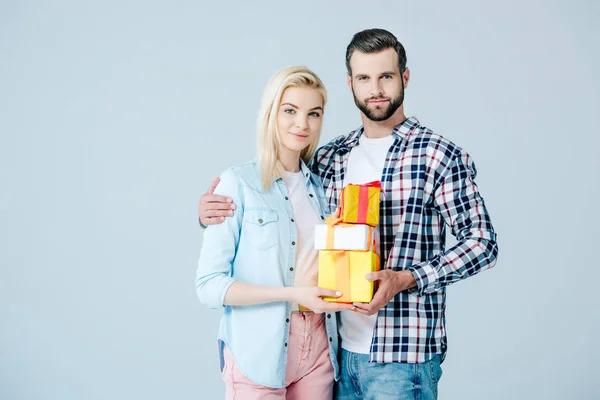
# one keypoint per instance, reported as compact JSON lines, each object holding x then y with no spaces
{"x":392,"y":347}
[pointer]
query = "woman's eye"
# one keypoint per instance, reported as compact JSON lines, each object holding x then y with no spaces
{"x":289,"y":110}
{"x":315,"y":114}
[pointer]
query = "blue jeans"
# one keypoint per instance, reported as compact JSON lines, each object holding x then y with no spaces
{"x":362,"y":380}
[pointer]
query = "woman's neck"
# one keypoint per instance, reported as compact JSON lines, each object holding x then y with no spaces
{"x":290,"y":160}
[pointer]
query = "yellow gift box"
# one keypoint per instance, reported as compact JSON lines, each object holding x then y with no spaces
{"x":360,"y":203}
{"x":345,"y":271}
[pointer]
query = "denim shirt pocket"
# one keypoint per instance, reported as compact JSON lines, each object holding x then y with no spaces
{"x":260,"y":228}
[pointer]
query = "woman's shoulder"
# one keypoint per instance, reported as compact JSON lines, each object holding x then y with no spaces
{"x":245,"y":174}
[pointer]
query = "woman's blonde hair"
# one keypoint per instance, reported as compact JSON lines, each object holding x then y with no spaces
{"x":268,"y":137}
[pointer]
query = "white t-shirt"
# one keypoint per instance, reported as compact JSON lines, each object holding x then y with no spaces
{"x":365,"y":164}
{"x":305,"y":218}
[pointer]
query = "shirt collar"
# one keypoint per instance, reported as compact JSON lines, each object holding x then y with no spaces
{"x":306,"y":173}
{"x":403,"y":130}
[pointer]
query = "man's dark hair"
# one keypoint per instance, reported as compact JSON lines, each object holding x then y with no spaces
{"x":374,"y":41}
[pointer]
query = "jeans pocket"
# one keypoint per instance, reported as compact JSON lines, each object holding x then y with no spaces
{"x":435,"y":372}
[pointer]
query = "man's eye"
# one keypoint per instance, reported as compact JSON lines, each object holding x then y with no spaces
{"x":362,"y":78}
{"x":387,"y":76}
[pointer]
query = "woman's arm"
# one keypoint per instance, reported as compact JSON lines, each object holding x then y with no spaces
{"x":214,"y":285}
{"x":243,"y":294}
{"x":219,"y":246}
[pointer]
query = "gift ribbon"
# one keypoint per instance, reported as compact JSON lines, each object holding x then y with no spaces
{"x":341,"y":270}
{"x":363,"y":198}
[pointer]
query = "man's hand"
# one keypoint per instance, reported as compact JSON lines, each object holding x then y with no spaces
{"x":390,"y":284}
{"x":213,"y":208}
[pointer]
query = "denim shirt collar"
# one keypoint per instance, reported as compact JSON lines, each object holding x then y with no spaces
{"x":306,"y":173}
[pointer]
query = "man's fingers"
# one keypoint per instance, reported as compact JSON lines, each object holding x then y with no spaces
{"x":217,"y":206}
{"x":334,"y":307}
{"x":214,"y":198}
{"x":217,"y":213}
{"x":361,"y":311}
{"x":375,"y":276}
{"x":362,"y":306}
{"x":212,"y":220}
{"x":213,"y":185}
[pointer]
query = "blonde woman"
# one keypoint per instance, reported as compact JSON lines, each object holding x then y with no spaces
{"x":260,"y":264}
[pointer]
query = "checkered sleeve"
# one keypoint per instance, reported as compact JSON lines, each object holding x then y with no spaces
{"x":321,"y":161}
{"x":317,"y":164}
{"x":461,"y":206}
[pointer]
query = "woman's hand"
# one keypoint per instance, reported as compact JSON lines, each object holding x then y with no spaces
{"x":311,"y":298}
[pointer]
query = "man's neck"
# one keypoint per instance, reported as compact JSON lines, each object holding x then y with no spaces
{"x":380,"y":129}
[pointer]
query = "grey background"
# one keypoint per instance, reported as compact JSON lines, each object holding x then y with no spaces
{"x":114,"y":117}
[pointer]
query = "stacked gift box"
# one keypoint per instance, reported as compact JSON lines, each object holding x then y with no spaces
{"x":347,"y":247}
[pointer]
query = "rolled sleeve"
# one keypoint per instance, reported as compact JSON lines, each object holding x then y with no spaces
{"x":219,"y":245}
{"x":463,"y":209}
{"x":426,"y":276}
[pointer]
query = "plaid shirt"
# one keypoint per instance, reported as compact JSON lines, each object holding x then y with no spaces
{"x":427,"y":181}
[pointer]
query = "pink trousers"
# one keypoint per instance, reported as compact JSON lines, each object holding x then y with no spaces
{"x":309,"y":373}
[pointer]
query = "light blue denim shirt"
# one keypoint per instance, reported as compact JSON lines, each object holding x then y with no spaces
{"x":257,"y":246}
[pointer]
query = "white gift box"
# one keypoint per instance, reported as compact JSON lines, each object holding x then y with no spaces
{"x":345,"y":237}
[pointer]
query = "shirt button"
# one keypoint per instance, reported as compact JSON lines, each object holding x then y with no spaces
{"x":328,"y":315}
{"x":292,"y":219}
{"x":293,"y":243}
{"x":286,"y":198}
{"x":330,"y":340}
{"x":285,"y":345}
{"x":322,"y":217}
{"x":310,"y":195}
{"x":260,"y":221}
{"x":287,"y":320}
{"x":307,"y":174}
{"x":291,"y":268}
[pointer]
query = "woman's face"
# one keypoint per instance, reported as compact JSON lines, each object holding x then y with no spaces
{"x":299,"y":117}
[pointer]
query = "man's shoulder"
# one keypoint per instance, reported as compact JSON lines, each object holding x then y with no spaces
{"x":423,"y":137}
{"x":336,"y":142}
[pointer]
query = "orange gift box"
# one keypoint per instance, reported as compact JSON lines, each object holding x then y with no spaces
{"x":344,"y":271}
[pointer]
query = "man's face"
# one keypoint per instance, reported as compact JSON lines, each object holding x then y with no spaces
{"x":377,"y":84}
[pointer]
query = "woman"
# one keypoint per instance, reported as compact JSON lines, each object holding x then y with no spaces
{"x":260,"y":264}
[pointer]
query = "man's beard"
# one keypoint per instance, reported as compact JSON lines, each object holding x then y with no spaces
{"x":380,"y":113}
